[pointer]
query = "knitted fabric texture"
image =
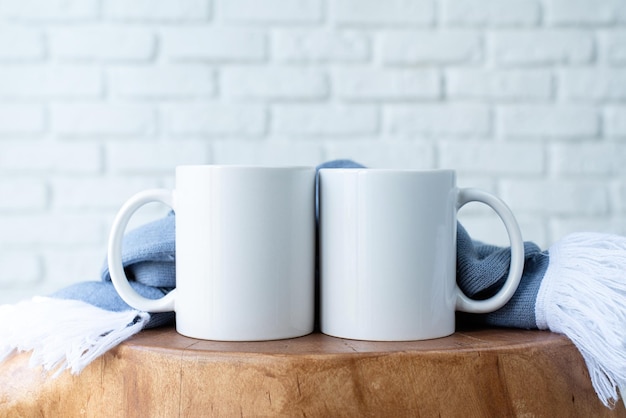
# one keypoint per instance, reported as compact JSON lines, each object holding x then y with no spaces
{"x":482,"y":269}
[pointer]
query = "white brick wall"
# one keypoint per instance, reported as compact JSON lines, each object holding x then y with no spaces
{"x":214,"y":44}
{"x":541,"y":46}
{"x":430,"y":47}
{"x":102,"y":42}
{"x":102,"y":98}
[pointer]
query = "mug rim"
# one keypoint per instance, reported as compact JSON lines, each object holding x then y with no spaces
{"x":243,"y":167}
{"x":365,"y":170}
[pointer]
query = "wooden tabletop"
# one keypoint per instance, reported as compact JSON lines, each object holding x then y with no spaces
{"x":159,"y":373}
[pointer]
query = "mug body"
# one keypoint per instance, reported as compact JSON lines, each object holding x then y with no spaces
{"x":244,"y":252}
{"x":387,"y":253}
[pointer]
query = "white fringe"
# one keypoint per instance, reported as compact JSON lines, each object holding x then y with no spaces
{"x":64,"y":334}
{"x":583,"y":295}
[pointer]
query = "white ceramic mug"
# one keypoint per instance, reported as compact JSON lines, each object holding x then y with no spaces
{"x":245,"y":252}
{"x":388,"y":253}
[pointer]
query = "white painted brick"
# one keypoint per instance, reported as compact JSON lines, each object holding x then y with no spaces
{"x":44,"y":158}
{"x":549,"y":46}
{"x":584,"y":12}
{"x":214,"y":43}
{"x":51,"y":230}
{"x":35,"y":81}
{"x":65,"y":267}
{"x":21,"y":43}
{"x":214,"y":119}
{"x":21,"y":119}
{"x":613,"y":46}
{"x":273,"y":153}
{"x":322,"y":120}
{"x":592,"y":84}
{"x":22,"y":194}
{"x":533,"y":229}
{"x":184,"y":81}
{"x":563,"y":226}
{"x":157,"y":10}
{"x":562,"y":197}
{"x":587,"y":158}
{"x":396,"y":12}
{"x":141,"y":157}
{"x":491,"y":12}
{"x":19,"y":268}
{"x":61,"y":10}
{"x":384,"y":154}
{"x":615,"y":121}
{"x":560,"y":121}
{"x":620,"y":197}
{"x":320,"y":45}
{"x":88,"y":193}
{"x":492,"y":157}
{"x":382,"y":84}
{"x":102,"y":119}
{"x":430,"y":46}
{"x":434,"y":120}
{"x":270,"y":11}
{"x":274,"y":83}
{"x":102,"y":42}
{"x":479,"y":84}
{"x":18,"y":292}
{"x":617,"y":200}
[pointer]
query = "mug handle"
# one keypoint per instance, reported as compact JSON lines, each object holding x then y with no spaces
{"x":463,"y":302}
{"x":116,"y":269}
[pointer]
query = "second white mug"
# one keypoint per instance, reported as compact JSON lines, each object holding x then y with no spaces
{"x":388,"y":253}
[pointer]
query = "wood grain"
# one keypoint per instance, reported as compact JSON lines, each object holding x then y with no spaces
{"x":159,"y":373}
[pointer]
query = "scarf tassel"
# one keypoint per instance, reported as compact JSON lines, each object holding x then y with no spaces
{"x":583,"y":295}
{"x":76,"y":332}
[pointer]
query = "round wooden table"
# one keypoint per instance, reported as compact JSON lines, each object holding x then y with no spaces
{"x":159,"y":373}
